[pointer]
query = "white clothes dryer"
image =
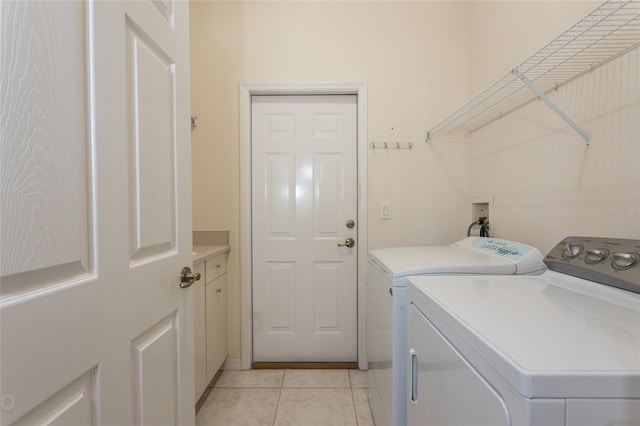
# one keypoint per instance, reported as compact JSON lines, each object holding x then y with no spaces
{"x":387,"y":305}
{"x":557,"y":349}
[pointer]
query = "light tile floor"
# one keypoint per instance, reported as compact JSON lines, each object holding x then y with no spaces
{"x":288,"y":397}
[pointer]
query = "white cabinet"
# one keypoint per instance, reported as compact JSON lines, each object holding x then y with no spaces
{"x":200,"y":330}
{"x":210,"y":320}
{"x":216,"y":314}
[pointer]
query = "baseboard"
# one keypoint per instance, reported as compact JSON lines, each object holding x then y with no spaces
{"x":232,"y":364}
{"x":207,"y":391}
{"x":305,"y":365}
{"x":235,"y":364}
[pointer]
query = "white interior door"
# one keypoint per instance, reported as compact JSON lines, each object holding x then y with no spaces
{"x":96,"y":216}
{"x":304,"y":190}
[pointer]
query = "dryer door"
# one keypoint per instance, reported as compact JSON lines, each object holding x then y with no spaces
{"x":444,"y":389}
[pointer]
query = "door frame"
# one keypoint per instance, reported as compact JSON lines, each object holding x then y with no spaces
{"x":313,"y":88}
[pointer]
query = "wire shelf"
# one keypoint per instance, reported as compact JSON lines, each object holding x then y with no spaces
{"x":606,"y":33}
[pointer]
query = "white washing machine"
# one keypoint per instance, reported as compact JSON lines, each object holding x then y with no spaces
{"x":557,"y":349}
{"x":387,"y":305}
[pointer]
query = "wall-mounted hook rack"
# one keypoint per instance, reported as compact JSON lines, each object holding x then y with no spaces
{"x":391,"y":145}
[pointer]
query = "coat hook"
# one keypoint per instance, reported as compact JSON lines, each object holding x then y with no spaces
{"x":390,"y":145}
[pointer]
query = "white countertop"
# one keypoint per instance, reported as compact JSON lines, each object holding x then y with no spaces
{"x":202,"y":253}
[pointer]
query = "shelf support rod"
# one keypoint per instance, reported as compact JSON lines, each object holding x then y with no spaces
{"x":553,"y":106}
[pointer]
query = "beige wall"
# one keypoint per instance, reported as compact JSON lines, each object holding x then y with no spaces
{"x":505,"y":33}
{"x":420,"y":60}
{"x":414,"y":58}
{"x":545,"y":184}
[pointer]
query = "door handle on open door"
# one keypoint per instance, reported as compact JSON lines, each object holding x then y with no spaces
{"x":187,"y":277}
{"x":349,"y":242}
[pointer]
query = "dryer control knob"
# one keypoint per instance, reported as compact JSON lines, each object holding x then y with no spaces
{"x":596,"y":255}
{"x":572,"y":251}
{"x":625,"y":260}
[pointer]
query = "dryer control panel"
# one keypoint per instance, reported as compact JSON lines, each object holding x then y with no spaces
{"x":526,"y":259}
{"x":610,"y":261}
{"x":504,"y":248}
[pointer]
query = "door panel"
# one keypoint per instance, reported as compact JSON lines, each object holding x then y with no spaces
{"x":46,"y":224}
{"x":96,"y":221}
{"x":327,"y":194}
{"x":304,"y":189}
{"x":71,"y":405}
{"x":155,"y":374}
{"x":281,"y":289}
{"x":151,"y":114}
{"x":326,"y":295}
{"x":280,"y":187}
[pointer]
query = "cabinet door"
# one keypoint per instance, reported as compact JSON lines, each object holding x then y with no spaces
{"x":199,"y":331}
{"x":216,"y":325}
{"x":216,"y":267}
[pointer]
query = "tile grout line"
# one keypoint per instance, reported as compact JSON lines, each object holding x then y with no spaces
{"x":353,"y":405}
{"x":275,"y":415}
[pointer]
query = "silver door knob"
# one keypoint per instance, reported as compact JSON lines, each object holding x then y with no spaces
{"x":349,"y":242}
{"x":187,"y":277}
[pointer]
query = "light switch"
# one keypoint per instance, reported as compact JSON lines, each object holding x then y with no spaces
{"x":385,"y":211}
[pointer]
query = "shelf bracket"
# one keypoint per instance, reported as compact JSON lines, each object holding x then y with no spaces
{"x":553,"y":106}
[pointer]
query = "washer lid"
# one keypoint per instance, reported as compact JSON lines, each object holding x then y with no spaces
{"x":549,"y":336}
{"x":473,"y":255}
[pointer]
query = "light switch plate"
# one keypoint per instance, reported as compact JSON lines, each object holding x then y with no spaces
{"x":385,"y":211}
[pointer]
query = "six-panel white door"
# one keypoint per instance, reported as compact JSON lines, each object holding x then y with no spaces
{"x":304,"y":190}
{"x":96,"y":216}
